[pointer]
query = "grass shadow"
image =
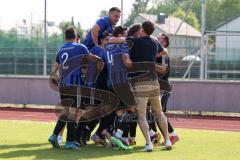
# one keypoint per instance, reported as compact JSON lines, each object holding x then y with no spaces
{"x":22,"y":145}
{"x":90,"y":152}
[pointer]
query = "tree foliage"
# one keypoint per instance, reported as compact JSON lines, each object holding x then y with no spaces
{"x":139,"y":6}
{"x":103,"y":13}
{"x":11,"y":38}
{"x":65,"y":24}
{"x":217,"y":11}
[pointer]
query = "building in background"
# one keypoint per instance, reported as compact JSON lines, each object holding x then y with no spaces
{"x":187,"y":40}
{"x":228,"y":46}
{"x":27,"y":29}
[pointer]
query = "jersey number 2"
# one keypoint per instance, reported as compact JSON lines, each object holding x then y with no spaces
{"x":65,"y":57}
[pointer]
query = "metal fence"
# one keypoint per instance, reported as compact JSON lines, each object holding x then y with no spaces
{"x":29,"y":61}
{"x":223,"y":58}
{"x":25,"y":61}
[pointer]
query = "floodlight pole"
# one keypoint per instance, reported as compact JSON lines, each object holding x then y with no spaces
{"x":203,"y":17}
{"x":122,"y":12}
{"x":45,"y":40}
{"x":206,"y":57}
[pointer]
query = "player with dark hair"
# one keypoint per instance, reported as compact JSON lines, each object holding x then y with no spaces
{"x":129,"y":138}
{"x":118,"y":63}
{"x":134,"y":30}
{"x":102,"y":27}
{"x":164,"y":40}
{"x":84,"y":129}
{"x":78,"y":40}
{"x":165,"y":85}
{"x":155,"y":136}
{"x":69,"y":80}
{"x":144,"y":51}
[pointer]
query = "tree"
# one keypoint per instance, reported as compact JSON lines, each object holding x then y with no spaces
{"x":220,"y":11}
{"x":139,"y":6}
{"x":103,"y":13}
{"x":217,"y":11}
{"x":54,"y":40}
{"x":176,"y":8}
{"x":79,"y":29}
{"x":164,"y":6}
{"x":72,"y":22}
{"x":65,"y":24}
{"x":190,"y":19}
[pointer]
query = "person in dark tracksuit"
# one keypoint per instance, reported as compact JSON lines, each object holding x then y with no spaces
{"x":165,"y":87}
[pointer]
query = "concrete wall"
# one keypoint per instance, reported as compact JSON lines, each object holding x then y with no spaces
{"x":27,"y":90}
{"x":214,"y":96}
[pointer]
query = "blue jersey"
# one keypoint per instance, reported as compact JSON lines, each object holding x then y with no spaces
{"x":66,"y":53}
{"x":100,"y":52}
{"x":105,"y":28}
{"x":117,"y":71}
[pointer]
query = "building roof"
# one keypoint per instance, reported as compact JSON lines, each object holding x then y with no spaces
{"x":227,"y":21}
{"x":171,"y":25}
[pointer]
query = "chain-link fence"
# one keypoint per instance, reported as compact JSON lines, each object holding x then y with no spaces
{"x":224,"y":56}
{"x":25,"y":61}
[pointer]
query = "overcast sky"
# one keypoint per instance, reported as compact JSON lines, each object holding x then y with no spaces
{"x":84,"y":11}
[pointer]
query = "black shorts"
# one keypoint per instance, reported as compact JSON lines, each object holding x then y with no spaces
{"x":69,"y":97}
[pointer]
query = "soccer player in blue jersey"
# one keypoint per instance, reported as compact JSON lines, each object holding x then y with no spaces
{"x":78,"y":40}
{"x":84,"y":129}
{"x":102,"y":27}
{"x":133,"y":31}
{"x":68,"y":66}
{"x":118,"y":63}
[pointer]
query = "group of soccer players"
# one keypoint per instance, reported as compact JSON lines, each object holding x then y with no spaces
{"x":117,"y":78}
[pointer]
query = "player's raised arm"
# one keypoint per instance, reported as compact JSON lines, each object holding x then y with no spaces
{"x":117,"y":40}
{"x":94,"y":32}
{"x":105,"y":25}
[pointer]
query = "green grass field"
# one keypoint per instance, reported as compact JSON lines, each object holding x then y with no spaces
{"x":22,"y":140}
